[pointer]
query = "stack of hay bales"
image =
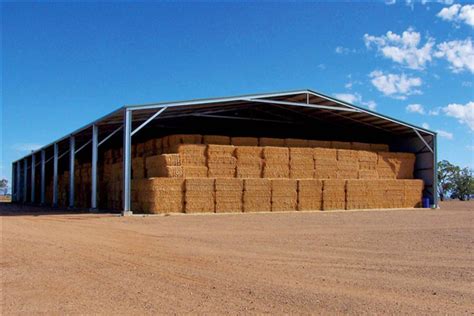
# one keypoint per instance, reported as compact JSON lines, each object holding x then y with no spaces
{"x":413,"y":193}
{"x":310,"y":194}
{"x":276,"y":162}
{"x":165,"y":165}
{"x":325,"y":163}
{"x":114,"y":195}
{"x":393,"y":165}
{"x":249,"y":161}
{"x":367,"y":164}
{"x":140,"y":150}
{"x":174,"y":141}
{"x":193,"y":160}
{"x":334,"y":194}
{"x":394,"y":193}
{"x":301,"y":163}
{"x":199,"y":195}
{"x":216,"y":140}
{"x":271,"y":142}
{"x":221,"y":162}
{"x":284,"y":195}
{"x":347,"y":164}
{"x":229,"y":195}
{"x":244,"y":141}
{"x":257,"y":195}
{"x":158,"y":195}
{"x":357,"y":196}
{"x":296,"y":142}
{"x":138,"y":168}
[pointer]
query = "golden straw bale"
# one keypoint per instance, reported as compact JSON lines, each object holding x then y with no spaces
{"x":138,"y":168}
{"x":368,"y":174}
{"x":194,"y":171}
{"x":294,"y":142}
{"x":324,"y":154}
{"x":229,"y":184}
{"x":220,"y":150}
{"x":244,"y":141}
{"x":334,"y":194}
{"x":248,"y":172}
{"x":216,"y":139}
{"x":310,"y":194}
{"x":273,"y":142}
{"x":174,"y":140}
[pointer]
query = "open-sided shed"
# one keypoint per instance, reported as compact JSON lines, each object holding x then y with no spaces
{"x":296,"y":114}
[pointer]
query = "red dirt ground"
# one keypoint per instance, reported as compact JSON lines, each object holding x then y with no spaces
{"x":397,"y":261}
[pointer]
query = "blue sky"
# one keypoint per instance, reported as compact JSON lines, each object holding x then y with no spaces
{"x":65,"y":64}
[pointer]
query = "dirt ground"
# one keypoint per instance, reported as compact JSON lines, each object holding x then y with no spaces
{"x":397,"y":261}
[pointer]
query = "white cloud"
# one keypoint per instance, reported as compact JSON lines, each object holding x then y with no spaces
{"x":395,"y":86}
{"x":322,"y":66}
{"x":445,"y":134}
{"x":26,"y":147}
{"x":344,"y":50}
{"x":467,"y":84}
{"x":460,"y":54}
{"x":458,"y":13}
{"x":402,"y":49}
{"x":463,"y":113}
{"x":415,"y":108}
{"x":423,"y":2}
{"x":356,"y":98}
{"x":434,"y":112}
{"x":425,"y":125}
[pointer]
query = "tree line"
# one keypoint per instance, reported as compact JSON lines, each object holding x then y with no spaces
{"x":455,"y":182}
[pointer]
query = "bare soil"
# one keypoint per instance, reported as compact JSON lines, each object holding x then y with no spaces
{"x":397,"y":261}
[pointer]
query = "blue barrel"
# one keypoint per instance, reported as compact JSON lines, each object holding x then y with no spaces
{"x":425,"y":202}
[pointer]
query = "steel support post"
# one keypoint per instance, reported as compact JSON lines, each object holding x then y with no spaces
{"x":127,"y":166}
{"x":55,"y":176}
{"x":25,"y":180}
{"x":43,"y":177}
{"x":95,"y":138}
{"x":33,"y":169}
{"x":72,"y":153}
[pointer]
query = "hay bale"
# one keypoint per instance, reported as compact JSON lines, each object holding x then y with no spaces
{"x":341,"y":145}
{"x":199,"y":195}
{"x":284,"y":195}
{"x":413,"y":192}
{"x":244,"y":141}
{"x":191,"y":154}
{"x":248,"y":172}
{"x":257,"y":195}
{"x":396,"y":165}
{"x":229,"y":195}
{"x":194,"y":171}
{"x":356,"y":194}
{"x":334,"y":194}
{"x":138,"y":168}
{"x":273,"y":142}
{"x":295,"y":142}
{"x":325,"y":163}
{"x":368,"y":174}
{"x":301,"y":163}
{"x":310,"y":194}
{"x":160,"y":195}
{"x":216,"y":140}
{"x":174,"y":140}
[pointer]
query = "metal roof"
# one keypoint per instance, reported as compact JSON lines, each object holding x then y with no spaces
{"x":280,"y":106}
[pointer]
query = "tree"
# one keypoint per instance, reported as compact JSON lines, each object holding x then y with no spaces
{"x":463,"y":186}
{"x":3,"y":185}
{"x":446,"y":175}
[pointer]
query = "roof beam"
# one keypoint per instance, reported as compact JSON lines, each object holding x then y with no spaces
{"x":314,"y":106}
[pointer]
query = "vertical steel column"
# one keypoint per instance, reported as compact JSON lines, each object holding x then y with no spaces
{"x":33,"y":167}
{"x":72,"y":153}
{"x":43,"y":175}
{"x":127,"y":166}
{"x":55,"y":176}
{"x":18,"y":181}
{"x":25,"y":179}
{"x":95,"y":137}
{"x":13,"y":184}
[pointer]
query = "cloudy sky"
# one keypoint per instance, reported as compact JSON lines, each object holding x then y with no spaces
{"x":64,"y":65}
